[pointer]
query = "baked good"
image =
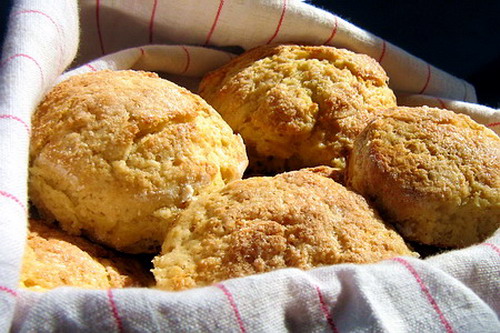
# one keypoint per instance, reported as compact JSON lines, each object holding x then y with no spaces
{"x":434,"y":173}
{"x":298,"y":106}
{"x":116,"y":155}
{"x":53,"y":259}
{"x":300,"y":219}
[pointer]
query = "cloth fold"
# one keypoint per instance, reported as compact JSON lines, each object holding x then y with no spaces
{"x":453,"y":292}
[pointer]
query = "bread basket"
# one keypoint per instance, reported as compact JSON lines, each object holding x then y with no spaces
{"x":47,"y":41}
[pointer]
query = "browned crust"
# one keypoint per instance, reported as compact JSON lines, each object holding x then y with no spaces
{"x":434,"y":173}
{"x":116,"y":155}
{"x":54,"y":259}
{"x":298,"y":106}
{"x":299,"y":219}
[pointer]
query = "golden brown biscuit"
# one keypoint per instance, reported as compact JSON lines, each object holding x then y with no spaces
{"x":298,"y":106}
{"x":53,"y":259}
{"x":116,"y":155}
{"x":300,"y":219}
{"x":434,"y":173}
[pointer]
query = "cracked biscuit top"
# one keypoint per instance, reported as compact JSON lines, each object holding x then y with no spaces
{"x":298,"y":106}
{"x":116,"y":155}
{"x":434,"y":173}
{"x":301,"y":219}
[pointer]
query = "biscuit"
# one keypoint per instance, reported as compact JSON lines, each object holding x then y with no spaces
{"x":433,"y":173}
{"x":298,"y":106}
{"x":117,"y":155}
{"x":300,"y":219}
{"x":53,"y":259}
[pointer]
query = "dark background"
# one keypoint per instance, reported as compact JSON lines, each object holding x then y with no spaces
{"x":460,"y":37}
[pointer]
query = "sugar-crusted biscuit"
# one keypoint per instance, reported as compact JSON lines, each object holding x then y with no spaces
{"x":116,"y":155}
{"x":53,"y":259}
{"x":300,"y":219}
{"x":434,"y":173}
{"x":298,"y":106}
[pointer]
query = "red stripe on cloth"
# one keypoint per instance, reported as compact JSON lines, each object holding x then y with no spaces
{"x":32,"y":11}
{"x":327,"y":314}
{"x":426,"y":292}
{"x":493,"y":124}
{"x":279,"y":23}
{"x":152,"y":21}
{"x":188,"y":59}
{"x":98,"y":24}
{"x":142,"y":51}
{"x":30,"y":58}
{"x":8,"y":116}
{"x":334,"y":31}
{"x":114,"y":310}
{"x":216,"y":20}
{"x":442,"y":105}
{"x":14,"y":198}
{"x":426,"y":80}
{"x":233,"y":305}
{"x":384,"y":45}
{"x":59,"y":32}
{"x":91,"y":67}
{"x":494,"y":247}
{"x":8,"y":290}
